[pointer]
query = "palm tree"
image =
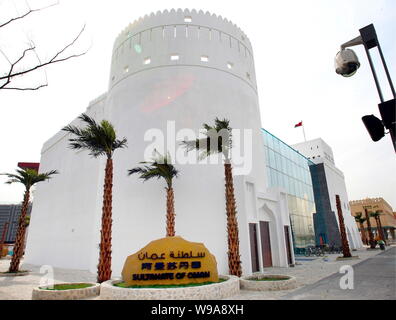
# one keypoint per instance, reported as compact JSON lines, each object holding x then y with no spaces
{"x":219,"y":141}
{"x":377,"y":216}
{"x":360,"y":219}
{"x":344,"y":240}
{"x":101,"y":140}
{"x":369,"y":229}
{"x":161,"y":167}
{"x":27,"y":177}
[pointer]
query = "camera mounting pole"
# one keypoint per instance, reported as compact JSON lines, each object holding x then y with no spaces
{"x":368,"y":38}
{"x":354,"y":42}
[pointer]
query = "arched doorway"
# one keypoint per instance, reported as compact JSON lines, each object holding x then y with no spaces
{"x":269,"y":237}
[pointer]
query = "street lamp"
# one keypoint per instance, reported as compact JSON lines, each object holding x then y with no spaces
{"x":347,"y":63}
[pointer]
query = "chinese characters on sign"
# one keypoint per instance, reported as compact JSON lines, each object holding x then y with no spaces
{"x":171,"y":260}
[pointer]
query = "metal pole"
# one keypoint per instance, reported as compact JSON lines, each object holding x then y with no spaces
{"x":374,"y":74}
{"x":305,"y":139}
{"x":386,"y":71}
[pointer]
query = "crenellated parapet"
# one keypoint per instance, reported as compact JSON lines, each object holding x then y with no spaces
{"x":182,"y":38}
{"x":183,"y":17}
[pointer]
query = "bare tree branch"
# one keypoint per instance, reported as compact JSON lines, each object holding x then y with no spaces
{"x":69,"y":45}
{"x":55,"y":59}
{"x":26,"y":14}
{"x":25,"y":89}
{"x":5,"y":56}
{"x":20,"y":17}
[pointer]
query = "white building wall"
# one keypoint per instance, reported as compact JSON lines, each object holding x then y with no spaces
{"x":316,"y":150}
{"x":319,"y":151}
{"x":162,"y":95}
{"x":63,"y":228}
{"x":336,"y":185}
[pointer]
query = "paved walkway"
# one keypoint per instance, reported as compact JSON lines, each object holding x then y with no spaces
{"x":20,"y":288}
{"x":373,"y":279}
{"x":307,"y":272}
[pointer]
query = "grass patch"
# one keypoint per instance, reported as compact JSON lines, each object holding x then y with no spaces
{"x":68,"y":286}
{"x":270,"y":279}
{"x":165,"y":286}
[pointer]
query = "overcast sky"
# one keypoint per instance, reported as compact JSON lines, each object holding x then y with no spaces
{"x":294,"y":44}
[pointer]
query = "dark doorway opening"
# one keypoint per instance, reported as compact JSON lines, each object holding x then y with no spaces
{"x":266,"y":244}
{"x":254,"y":247}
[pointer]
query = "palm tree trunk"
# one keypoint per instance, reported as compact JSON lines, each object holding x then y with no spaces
{"x":364,"y":236}
{"x":104,"y":267}
{"x":20,"y":236}
{"x":234,"y":260}
{"x":370,"y":232}
{"x":380,"y":230}
{"x":170,"y":212}
{"x":345,"y":246}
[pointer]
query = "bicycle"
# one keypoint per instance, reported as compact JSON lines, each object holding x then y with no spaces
{"x":311,"y":251}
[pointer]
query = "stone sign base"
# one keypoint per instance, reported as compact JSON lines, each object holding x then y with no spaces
{"x":216,"y":291}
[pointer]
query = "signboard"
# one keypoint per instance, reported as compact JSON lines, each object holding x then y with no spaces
{"x":170,"y":260}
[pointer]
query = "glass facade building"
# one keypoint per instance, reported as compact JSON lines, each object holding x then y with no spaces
{"x":289,"y":170}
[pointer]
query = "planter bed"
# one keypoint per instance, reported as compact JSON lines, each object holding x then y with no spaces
{"x":15,"y":274}
{"x":268,"y":282}
{"x":66,"y":291}
{"x":113,"y":290}
{"x":347,"y":258}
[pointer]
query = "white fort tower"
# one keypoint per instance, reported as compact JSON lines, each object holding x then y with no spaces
{"x":169,"y":71}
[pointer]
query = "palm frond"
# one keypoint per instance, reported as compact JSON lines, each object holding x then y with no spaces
{"x":160,"y":167}
{"x":375,"y":214}
{"x":119,"y":144}
{"x":98,"y":138}
{"x":218,"y":140}
{"x":28,"y":177}
{"x":140,"y":170}
{"x":87,"y":119}
{"x":359,"y":217}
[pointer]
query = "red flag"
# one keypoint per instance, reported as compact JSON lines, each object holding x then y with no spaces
{"x":298,"y":124}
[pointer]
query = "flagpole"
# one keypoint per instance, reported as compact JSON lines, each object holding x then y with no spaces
{"x":305,"y":139}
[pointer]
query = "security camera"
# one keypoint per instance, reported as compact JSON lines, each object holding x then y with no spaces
{"x":346,"y":63}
